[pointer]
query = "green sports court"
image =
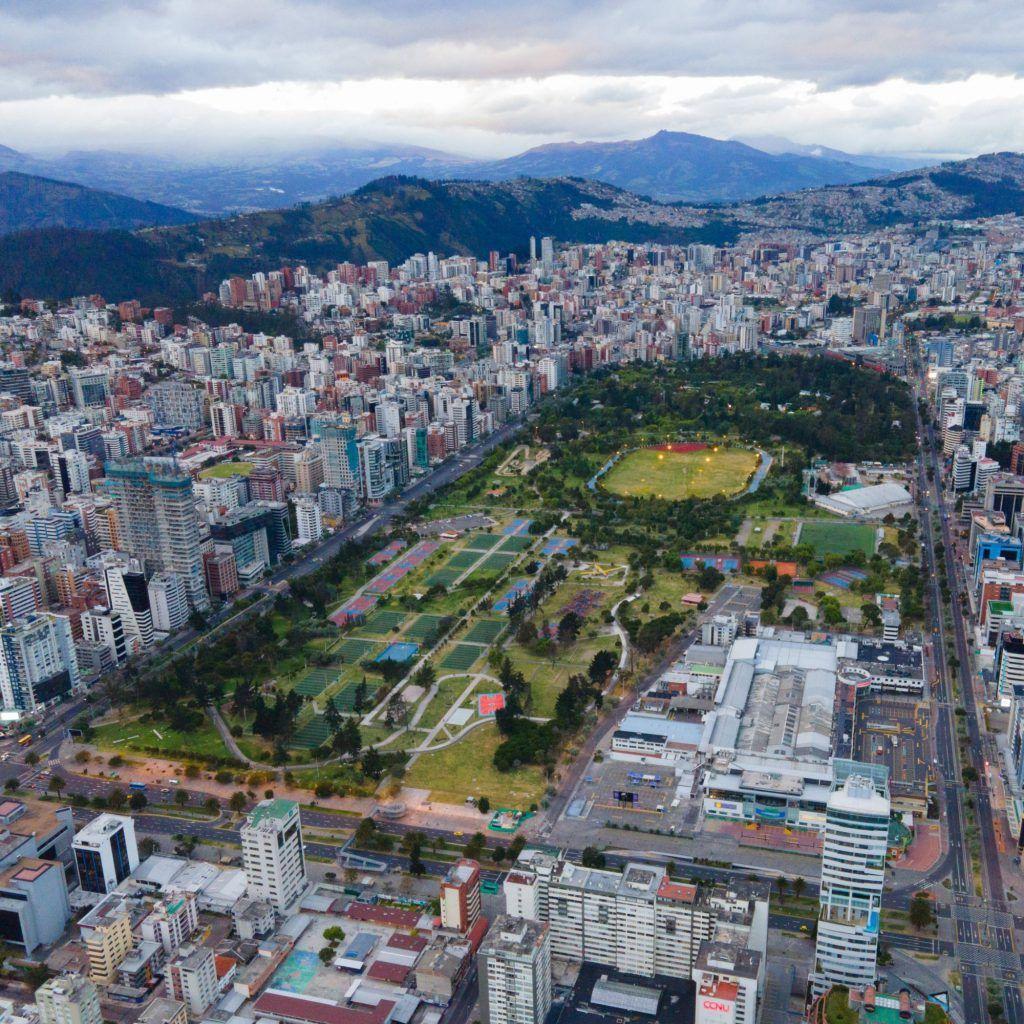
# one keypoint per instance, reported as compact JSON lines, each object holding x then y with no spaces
{"x":484,"y":631}
{"x":460,"y":657}
{"x":316,"y":680}
{"x":354,"y":648}
{"x":424,"y":627}
{"x":383,"y":621}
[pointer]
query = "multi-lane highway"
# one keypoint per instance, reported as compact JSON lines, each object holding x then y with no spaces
{"x":985,"y":942}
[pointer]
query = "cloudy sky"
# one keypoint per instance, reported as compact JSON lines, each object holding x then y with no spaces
{"x":490,"y":78}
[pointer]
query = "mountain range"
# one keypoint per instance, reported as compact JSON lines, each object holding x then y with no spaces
{"x":668,"y":166}
{"x":393,"y":217}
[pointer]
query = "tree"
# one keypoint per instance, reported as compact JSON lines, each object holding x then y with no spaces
{"x":921,"y":914}
{"x":237,"y":801}
{"x":181,"y":797}
{"x":148,"y":846}
{"x":359,"y":700}
{"x":56,"y":785}
{"x":31,"y":757}
{"x":211,"y":805}
{"x":799,"y":885}
{"x":372,"y":763}
{"x":334,"y":934}
{"x":483,"y":805}
{"x":592,"y":858}
{"x":137,"y":801}
{"x":117,"y":799}
{"x":11,"y":785}
{"x":326,"y":955}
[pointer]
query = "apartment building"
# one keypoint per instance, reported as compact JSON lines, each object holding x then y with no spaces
{"x":272,"y":854}
{"x":514,"y":964}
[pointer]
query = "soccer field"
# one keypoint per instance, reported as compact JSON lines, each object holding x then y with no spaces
{"x":838,"y":538}
{"x":649,"y":473}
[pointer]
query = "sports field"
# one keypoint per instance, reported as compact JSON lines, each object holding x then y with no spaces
{"x":674,"y":475}
{"x":829,"y":538}
{"x":226,"y":469}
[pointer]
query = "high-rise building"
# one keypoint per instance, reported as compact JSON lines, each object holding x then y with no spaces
{"x":68,"y":1000}
{"x":129,"y":597}
{"x":272,"y":855}
{"x":105,"y":853}
{"x":852,"y":876}
{"x":157,"y":516}
{"x":309,"y":521}
{"x":340,"y":457}
{"x":460,"y":896}
{"x":172,"y":922}
{"x":192,"y":979}
{"x":90,"y":387}
{"x":168,"y":602}
{"x":174,"y":403}
{"x":107,"y":934}
{"x":37,"y":661}
{"x":514,"y":964}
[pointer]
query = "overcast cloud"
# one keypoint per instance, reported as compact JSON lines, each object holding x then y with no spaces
{"x":490,"y":78}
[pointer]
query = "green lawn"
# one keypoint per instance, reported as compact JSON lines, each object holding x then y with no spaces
{"x":448,"y":691}
{"x":677,"y":475}
{"x":837,"y":538}
{"x":124,"y":737}
{"x":466,"y":769}
{"x":226,"y":469}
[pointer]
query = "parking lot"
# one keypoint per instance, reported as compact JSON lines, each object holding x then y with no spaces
{"x":895,"y":731}
{"x":637,"y":795}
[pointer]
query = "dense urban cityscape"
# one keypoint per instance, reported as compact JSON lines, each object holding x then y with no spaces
{"x":368,"y":673}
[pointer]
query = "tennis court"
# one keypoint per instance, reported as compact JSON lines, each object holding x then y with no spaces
{"x":399,"y":651}
{"x":559,"y":545}
{"x":354,"y":610}
{"x":484,"y":631}
{"x":345,"y":701}
{"x":461,"y":656}
{"x":517,"y":589}
{"x":516,"y":527}
{"x":444,"y":577}
{"x":384,"y":581}
{"x":384,"y":621}
{"x":314,"y":733}
{"x":483,"y":542}
{"x":424,"y":627}
{"x":355,"y":648}
{"x":385,"y":555}
{"x":496,"y":562}
{"x":316,"y":680}
{"x":463,"y":559}
{"x":516,"y":543}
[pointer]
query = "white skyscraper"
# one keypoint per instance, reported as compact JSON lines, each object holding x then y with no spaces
{"x":852,"y":876}
{"x":309,"y":521}
{"x":275,"y":866}
{"x":168,"y":602}
{"x":515,"y":972}
{"x":105,"y":853}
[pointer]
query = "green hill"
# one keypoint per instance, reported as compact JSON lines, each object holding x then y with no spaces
{"x":28,"y":202}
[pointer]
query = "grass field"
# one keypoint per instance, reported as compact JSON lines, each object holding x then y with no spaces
{"x":466,"y":769}
{"x":832,"y":538}
{"x":226,"y":469}
{"x":126,"y":736}
{"x":674,"y":476}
